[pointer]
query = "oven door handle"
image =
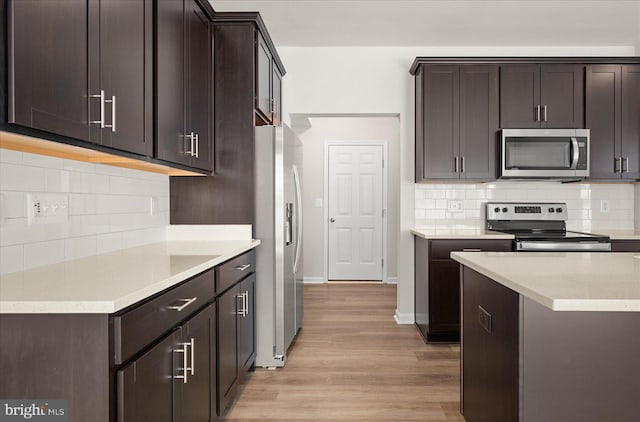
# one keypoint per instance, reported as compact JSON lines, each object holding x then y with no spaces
{"x":576,"y":151}
{"x":532,"y":246}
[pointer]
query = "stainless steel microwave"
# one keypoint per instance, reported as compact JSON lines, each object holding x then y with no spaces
{"x":545,"y":153}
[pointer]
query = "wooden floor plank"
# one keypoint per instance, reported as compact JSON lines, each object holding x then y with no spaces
{"x":352,"y":362}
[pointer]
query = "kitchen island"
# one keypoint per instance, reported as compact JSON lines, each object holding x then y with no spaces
{"x":550,"y":336}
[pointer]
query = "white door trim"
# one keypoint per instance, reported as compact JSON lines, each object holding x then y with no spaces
{"x":325,"y":220}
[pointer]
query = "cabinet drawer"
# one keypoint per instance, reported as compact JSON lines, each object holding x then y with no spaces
{"x":138,"y":327}
{"x":441,"y":249}
{"x":235,"y":270}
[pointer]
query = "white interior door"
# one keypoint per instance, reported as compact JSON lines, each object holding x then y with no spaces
{"x":355,"y":212}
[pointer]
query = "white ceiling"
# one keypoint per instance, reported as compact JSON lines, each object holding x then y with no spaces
{"x":446,"y":23}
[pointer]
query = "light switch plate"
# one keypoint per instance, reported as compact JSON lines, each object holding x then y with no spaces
{"x":455,"y":205}
{"x":47,"y":208}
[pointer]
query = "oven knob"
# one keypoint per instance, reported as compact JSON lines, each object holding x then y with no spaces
{"x":496,"y":209}
{"x":505,"y":209}
{"x":558,"y":209}
{"x":551,"y":210}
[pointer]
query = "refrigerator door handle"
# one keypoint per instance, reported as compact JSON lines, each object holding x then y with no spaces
{"x":288,"y":224}
{"x":296,"y":180}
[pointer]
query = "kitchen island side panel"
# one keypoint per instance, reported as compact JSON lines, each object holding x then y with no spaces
{"x":579,"y":366}
{"x":57,"y":357}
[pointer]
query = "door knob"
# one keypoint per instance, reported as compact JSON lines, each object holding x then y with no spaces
{"x":333,"y":220}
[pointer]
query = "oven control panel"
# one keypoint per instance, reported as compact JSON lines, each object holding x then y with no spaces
{"x":547,"y":211}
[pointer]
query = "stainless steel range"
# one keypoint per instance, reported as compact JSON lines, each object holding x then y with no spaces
{"x":541,"y":226}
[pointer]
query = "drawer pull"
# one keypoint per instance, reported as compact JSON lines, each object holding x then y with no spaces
{"x":186,"y":303}
{"x":471,"y":250}
{"x":243,"y":267}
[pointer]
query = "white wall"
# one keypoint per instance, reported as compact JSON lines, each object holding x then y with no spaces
{"x":374,"y":80}
{"x":109,"y":209}
{"x":583,"y":203}
{"x":347,"y":129}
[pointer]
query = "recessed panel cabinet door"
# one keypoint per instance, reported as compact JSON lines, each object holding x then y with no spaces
{"x":562,"y":96}
{"x":441,"y":123}
{"x":520,"y":96}
{"x":48,"y":72}
{"x":150,"y":376}
{"x":247,"y":321}
{"x":630,"y":135}
{"x":263,"y":79}
{"x":126,"y":48}
{"x":199,"y":84}
{"x":170,"y":80}
{"x":277,"y":96}
{"x":227,"y":343}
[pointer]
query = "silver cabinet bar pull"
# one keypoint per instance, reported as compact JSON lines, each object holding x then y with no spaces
{"x":455,"y":164}
{"x":462,"y":164}
{"x":624,"y":168}
{"x":241,"y":310}
{"x":471,"y":250}
{"x":197,"y":145}
{"x":544,"y":113}
{"x":243,"y":267}
{"x":184,"y":368}
{"x":537,"y":113}
{"x":186,"y":303}
{"x":246,"y":302}
{"x":617,"y":164}
{"x":113,"y":113}
{"x":101,"y":121}
{"x":192,"y":368}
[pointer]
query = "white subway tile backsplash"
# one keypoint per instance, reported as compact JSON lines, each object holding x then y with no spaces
{"x":109,"y":209}
{"x":583,"y":203}
{"x":11,"y":259}
{"x":43,"y":253}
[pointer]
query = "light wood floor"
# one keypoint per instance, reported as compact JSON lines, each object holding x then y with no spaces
{"x":352,"y":362}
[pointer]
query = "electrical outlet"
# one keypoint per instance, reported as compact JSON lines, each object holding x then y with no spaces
{"x":47,"y":208}
{"x":605,"y":206}
{"x":455,"y":205}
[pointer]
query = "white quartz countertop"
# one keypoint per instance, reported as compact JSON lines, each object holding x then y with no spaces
{"x":574,"y":281}
{"x":459,"y":234}
{"x":110,"y":282}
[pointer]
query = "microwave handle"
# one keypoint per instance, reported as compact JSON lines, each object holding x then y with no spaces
{"x":576,"y":151}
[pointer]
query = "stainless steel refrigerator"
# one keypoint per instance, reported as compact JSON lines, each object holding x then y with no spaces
{"x":278,"y":224}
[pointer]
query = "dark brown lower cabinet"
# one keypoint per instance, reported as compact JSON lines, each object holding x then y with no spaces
{"x":523,"y":362}
{"x":178,"y":373}
{"x":236,"y":338}
{"x":625,"y":246}
{"x":437,"y":287}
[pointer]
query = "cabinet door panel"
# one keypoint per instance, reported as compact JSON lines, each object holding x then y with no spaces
{"x":603,"y":117}
{"x":561,"y":92}
{"x":630,"y":121}
{"x":199,"y":84}
{"x":49,"y":67}
{"x":126,"y":72}
{"x":227,"y":343}
{"x":170,"y":81}
{"x":196,"y":398}
{"x":247,"y":344}
{"x":277,"y":96}
{"x":478,"y":121}
{"x":151,"y":375}
{"x":519,"y":96}
{"x":441,"y":130}
{"x":444,"y":296}
{"x":421,"y":289}
{"x":263,"y":79}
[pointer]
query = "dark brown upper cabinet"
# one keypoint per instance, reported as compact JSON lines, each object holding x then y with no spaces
{"x":83,"y":69}
{"x":268,"y":86}
{"x":541,"y":96}
{"x":612,"y":114}
{"x":456,"y":122}
{"x":184,"y":84}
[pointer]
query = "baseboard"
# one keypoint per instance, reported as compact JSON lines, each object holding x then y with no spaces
{"x":392,"y":280}
{"x":402,"y":319}
{"x":314,"y":280}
